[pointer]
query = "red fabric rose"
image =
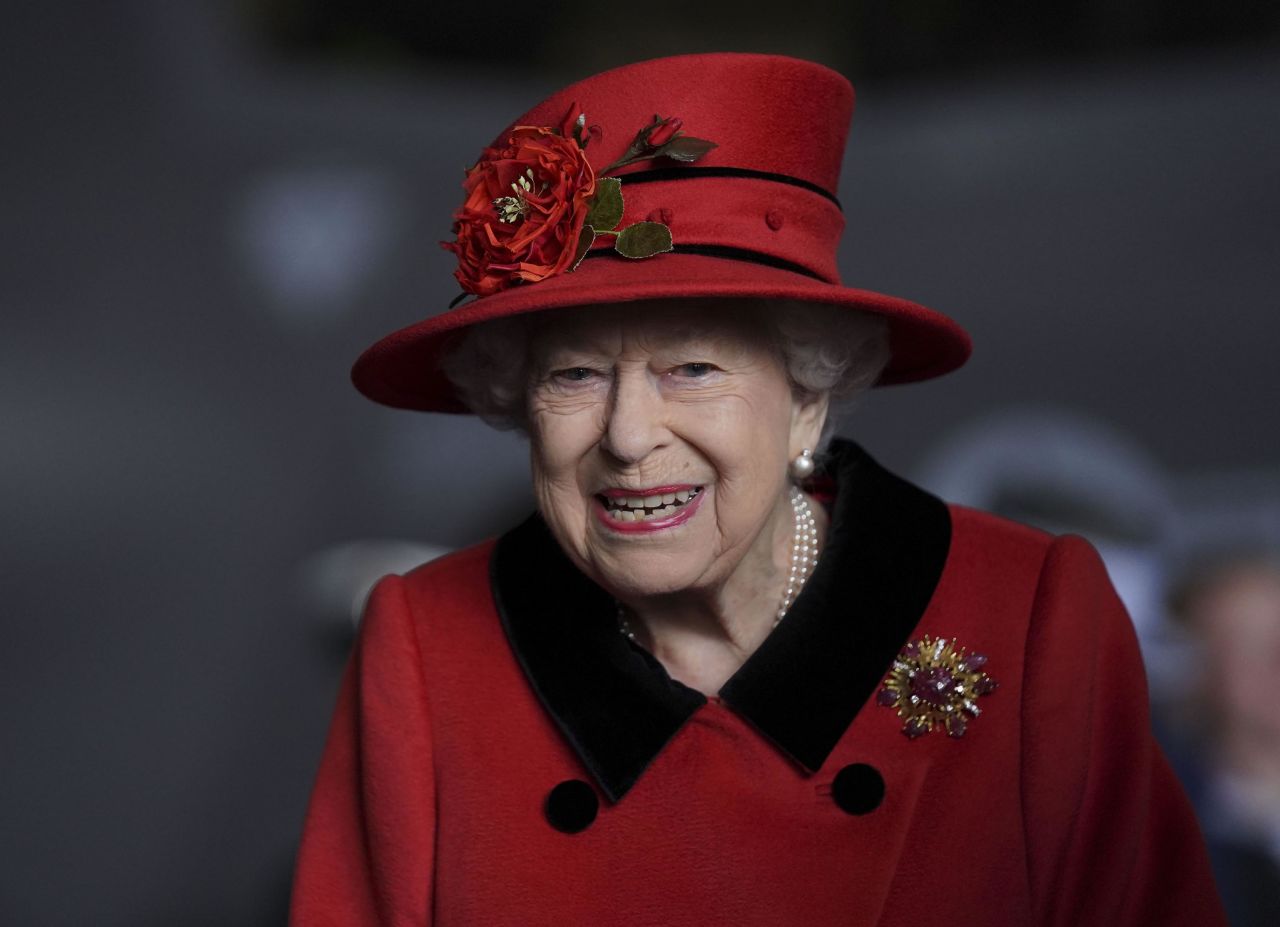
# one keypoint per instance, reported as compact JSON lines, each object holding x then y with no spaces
{"x":525,"y":207}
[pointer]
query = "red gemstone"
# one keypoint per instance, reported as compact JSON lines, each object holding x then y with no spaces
{"x":932,"y":686}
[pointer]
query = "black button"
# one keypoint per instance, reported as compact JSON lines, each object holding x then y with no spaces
{"x":571,"y":806}
{"x":858,"y":788}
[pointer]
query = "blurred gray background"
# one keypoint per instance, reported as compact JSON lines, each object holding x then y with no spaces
{"x":209,"y":209}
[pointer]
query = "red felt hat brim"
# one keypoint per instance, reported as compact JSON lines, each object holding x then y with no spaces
{"x":403,"y":370}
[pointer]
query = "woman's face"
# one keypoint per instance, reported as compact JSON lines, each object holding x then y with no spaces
{"x":661,"y":435}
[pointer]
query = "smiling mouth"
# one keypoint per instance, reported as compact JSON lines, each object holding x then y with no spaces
{"x":647,"y":508}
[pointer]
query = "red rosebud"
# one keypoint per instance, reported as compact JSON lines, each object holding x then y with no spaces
{"x":665,"y":131}
{"x":572,"y":120}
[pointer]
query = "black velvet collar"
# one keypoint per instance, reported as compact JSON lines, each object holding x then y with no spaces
{"x":616,"y":704}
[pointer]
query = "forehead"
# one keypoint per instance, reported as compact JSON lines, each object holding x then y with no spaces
{"x":653,"y":325}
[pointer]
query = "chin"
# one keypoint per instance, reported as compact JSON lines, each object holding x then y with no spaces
{"x":633,"y":578}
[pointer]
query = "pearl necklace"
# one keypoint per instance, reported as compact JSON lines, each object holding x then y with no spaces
{"x":804,"y":558}
{"x":804,"y":550}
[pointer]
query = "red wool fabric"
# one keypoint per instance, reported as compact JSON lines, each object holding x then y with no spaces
{"x":1055,"y":808}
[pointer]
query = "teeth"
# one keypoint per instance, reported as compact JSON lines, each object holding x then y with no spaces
{"x":628,"y":515}
{"x":648,"y":508}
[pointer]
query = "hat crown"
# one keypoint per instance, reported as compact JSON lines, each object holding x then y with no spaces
{"x":765,"y":113}
{"x":764,"y":192}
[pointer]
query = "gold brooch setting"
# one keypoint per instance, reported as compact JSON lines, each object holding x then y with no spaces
{"x":935,"y":684}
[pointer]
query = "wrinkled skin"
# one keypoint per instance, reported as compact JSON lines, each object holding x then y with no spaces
{"x":649,"y":395}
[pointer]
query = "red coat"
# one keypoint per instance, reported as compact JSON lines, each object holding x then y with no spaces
{"x":500,"y":754}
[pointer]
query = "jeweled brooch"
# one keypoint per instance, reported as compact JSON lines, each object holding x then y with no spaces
{"x":934,"y":683}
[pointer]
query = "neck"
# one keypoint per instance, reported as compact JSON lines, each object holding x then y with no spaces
{"x":703,"y":635}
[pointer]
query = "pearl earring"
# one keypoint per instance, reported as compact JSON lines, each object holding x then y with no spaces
{"x":802,"y":465}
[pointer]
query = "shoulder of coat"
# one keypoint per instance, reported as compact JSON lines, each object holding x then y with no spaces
{"x":990,"y":543}
{"x":975,"y":524}
{"x":460,"y":570}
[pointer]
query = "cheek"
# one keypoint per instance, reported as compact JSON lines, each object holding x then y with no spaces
{"x":559,"y":442}
{"x":747,"y":441}
{"x":754,"y":428}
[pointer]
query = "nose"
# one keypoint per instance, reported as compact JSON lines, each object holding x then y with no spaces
{"x":635,"y":423}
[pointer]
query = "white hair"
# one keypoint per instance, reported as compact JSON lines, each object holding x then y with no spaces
{"x":825,"y":350}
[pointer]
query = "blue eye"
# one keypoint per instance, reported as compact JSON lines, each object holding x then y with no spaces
{"x":574,"y":374}
{"x":696,"y":369}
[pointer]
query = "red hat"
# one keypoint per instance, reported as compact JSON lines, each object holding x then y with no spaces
{"x":727,"y":167}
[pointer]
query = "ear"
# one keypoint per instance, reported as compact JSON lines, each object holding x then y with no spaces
{"x":808,"y":415}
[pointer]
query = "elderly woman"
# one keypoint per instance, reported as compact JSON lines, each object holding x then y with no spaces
{"x":721,"y":678}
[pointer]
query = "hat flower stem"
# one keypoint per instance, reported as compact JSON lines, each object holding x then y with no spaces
{"x":661,"y":138}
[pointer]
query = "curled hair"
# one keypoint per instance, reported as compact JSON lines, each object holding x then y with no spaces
{"x":825,"y":350}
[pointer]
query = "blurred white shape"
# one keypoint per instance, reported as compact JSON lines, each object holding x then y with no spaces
{"x":1066,"y":473}
{"x":311,"y":237}
{"x":1070,"y":472}
{"x":336,"y":581}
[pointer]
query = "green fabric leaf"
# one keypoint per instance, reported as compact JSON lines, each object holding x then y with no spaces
{"x":585,"y":239}
{"x":685,"y":148}
{"x":642,"y":240}
{"x":606,"y":206}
